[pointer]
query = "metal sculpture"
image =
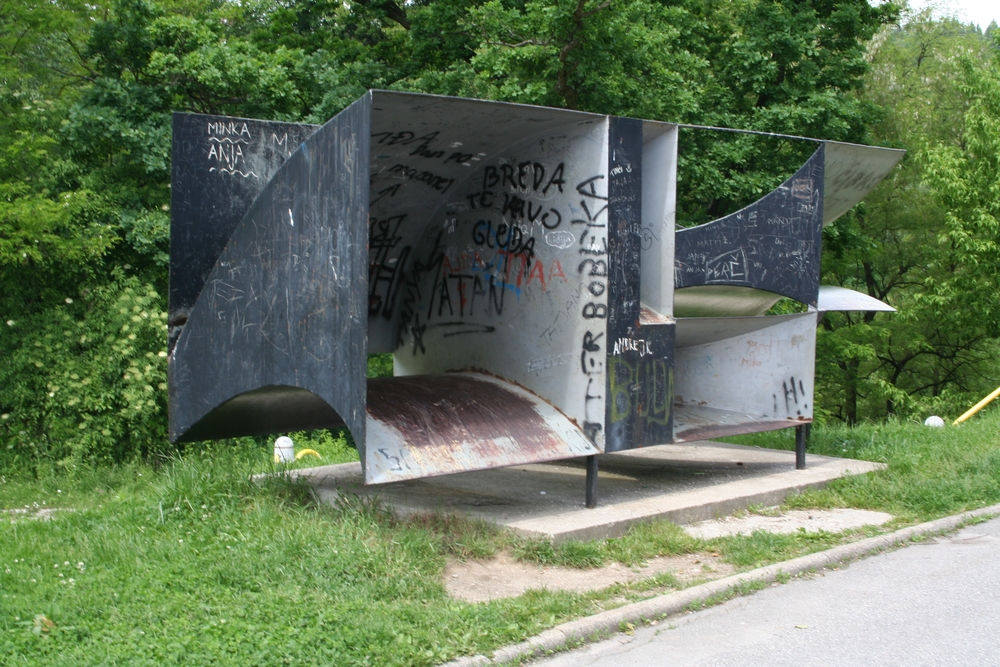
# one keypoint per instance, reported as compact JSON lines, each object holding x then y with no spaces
{"x":520,"y":263}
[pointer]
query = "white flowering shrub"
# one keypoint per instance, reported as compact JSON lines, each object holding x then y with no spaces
{"x":85,"y":381}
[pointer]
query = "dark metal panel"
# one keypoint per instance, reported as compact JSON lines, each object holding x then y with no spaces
{"x":282,"y":314}
{"x":772,"y":245}
{"x":655,"y":375}
{"x":639,"y":358}
{"x":624,"y":243}
{"x":219,"y":165}
{"x":426,"y":425}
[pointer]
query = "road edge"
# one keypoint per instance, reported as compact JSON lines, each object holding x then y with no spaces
{"x":607,"y":622}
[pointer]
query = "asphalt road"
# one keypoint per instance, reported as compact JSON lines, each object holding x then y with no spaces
{"x":932,"y":603}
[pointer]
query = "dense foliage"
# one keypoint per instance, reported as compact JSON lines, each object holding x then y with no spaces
{"x":922,"y":240}
{"x":86,"y":92}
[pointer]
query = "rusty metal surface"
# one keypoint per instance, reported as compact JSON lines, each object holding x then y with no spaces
{"x":650,"y":316}
{"x":696,"y":422}
{"x":420,"y":426}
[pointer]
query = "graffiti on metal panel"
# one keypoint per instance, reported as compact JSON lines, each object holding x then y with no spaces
{"x":225,"y":150}
{"x":508,"y":211}
{"x":523,"y":228}
{"x":385,"y":263}
{"x":652,"y":403}
{"x":793,"y":395}
{"x":773,"y":244}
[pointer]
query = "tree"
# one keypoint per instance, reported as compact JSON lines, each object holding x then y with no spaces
{"x":937,"y":350}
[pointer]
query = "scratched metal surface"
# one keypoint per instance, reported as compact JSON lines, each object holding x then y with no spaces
{"x":535,"y":244}
{"x":767,"y":373}
{"x":426,"y":425}
{"x":772,"y":245}
{"x":219,"y":165}
{"x":285,"y":305}
{"x":639,"y":356}
{"x":703,"y":330}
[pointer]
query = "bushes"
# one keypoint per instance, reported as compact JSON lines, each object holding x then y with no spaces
{"x":85,"y":380}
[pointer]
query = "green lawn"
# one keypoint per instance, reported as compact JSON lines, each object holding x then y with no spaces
{"x":190,"y":563}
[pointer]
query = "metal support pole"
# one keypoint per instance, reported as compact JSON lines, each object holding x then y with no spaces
{"x":592,"y":481}
{"x":801,"y":440}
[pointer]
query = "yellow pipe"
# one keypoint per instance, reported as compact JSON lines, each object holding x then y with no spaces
{"x":307,"y":452}
{"x":977,"y":407}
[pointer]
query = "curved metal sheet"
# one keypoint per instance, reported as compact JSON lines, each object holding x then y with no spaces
{"x":704,"y":330}
{"x":285,"y":305}
{"x":744,"y":373}
{"x":489,"y":245}
{"x":273,"y":409}
{"x":426,"y":425}
{"x":833,"y":297}
{"x":851,"y":172}
{"x":773,"y":244}
{"x":722,"y":301}
{"x":441,"y":164}
{"x":694,"y":422}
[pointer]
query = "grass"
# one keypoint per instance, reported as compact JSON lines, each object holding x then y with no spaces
{"x":932,"y":472}
{"x":195,"y":565}
{"x":191,"y":563}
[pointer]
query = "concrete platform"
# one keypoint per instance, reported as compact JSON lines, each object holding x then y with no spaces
{"x":684,"y":483}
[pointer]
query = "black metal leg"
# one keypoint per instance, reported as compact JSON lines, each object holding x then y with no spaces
{"x":801,"y":440}
{"x":592,"y":481}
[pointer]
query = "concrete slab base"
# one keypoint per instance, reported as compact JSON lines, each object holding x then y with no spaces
{"x":811,"y":521}
{"x":683,"y":483}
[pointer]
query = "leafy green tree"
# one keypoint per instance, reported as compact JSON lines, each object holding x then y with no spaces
{"x":966,"y":181}
{"x":938,"y":350}
{"x":786,"y":67}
